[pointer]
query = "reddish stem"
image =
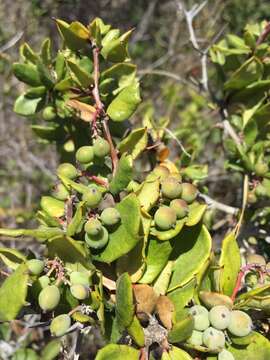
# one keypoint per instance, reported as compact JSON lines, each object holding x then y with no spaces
{"x":94,"y":178}
{"x":264,"y":34}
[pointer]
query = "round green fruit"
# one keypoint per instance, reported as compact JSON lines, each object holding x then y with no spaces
{"x":101,"y":147}
{"x":79,"y":291}
{"x":49,"y":298}
{"x":161,"y":172}
{"x":240,"y":323}
{"x":67,"y":170}
{"x":60,"y":192}
{"x":49,"y":113}
{"x":213,"y":339}
{"x":171,"y":188}
{"x":93,"y":226}
{"x":260,"y":190}
{"x":180,"y":207}
{"x":189,"y":192}
{"x":196,"y":338}
{"x":85,"y":154}
{"x":81,"y":278}
{"x":225,"y":355}
{"x":219,"y":317}
{"x":201,"y":317}
{"x":110,"y":216}
{"x":92,"y":197}
{"x":165,"y":218}
{"x":251,"y":279}
{"x":60,"y":325}
{"x":98,"y":241}
{"x":43,"y":281}
{"x":261,"y":168}
{"x":35,"y":266}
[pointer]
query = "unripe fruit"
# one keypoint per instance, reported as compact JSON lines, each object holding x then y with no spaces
{"x":165,"y":218}
{"x":161,"y":171}
{"x":240,"y":323}
{"x":60,"y":325}
{"x":35,"y":266}
{"x":43,"y":281}
{"x":67,"y":170}
{"x":261,"y":190}
{"x":213,"y":339}
{"x":200,"y":315}
{"x":189,"y":192}
{"x":77,"y":277}
{"x":196,"y":338}
{"x":171,"y":188}
{"x":49,"y":298}
{"x":251,"y":197}
{"x":110,"y":216}
{"x":93,"y":226}
{"x":49,"y":113}
{"x":39,"y":284}
{"x":219,"y":317}
{"x":98,"y":241}
{"x":251,"y":279}
{"x":180,"y":207}
{"x":85,"y":154}
{"x":79,"y":291}
{"x":101,"y":147}
{"x":60,"y":192}
{"x":261,"y":168}
{"x":92,"y":197}
{"x":256,"y":259}
{"x":225,"y":355}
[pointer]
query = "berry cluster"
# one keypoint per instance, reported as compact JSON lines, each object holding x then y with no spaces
{"x":210,"y":326}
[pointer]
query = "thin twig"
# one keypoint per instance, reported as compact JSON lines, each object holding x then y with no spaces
{"x":17,"y":37}
{"x":171,"y":134}
{"x":219,"y":206}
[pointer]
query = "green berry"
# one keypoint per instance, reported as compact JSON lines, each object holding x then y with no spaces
{"x":49,"y":298}
{"x":77,"y":277}
{"x":180,"y":207}
{"x":213,"y":339}
{"x":60,"y":325}
{"x":251,"y":279}
{"x":60,"y":192}
{"x":240,"y":323}
{"x":49,"y":113}
{"x":92,"y":197}
{"x":44,"y":281}
{"x":200,"y":315}
{"x":219,"y":317}
{"x":261,"y":168}
{"x":165,"y":218}
{"x":225,"y":355}
{"x":110,"y":216}
{"x":256,"y":259}
{"x":261,"y":191}
{"x":93,"y":226}
{"x":98,"y":241}
{"x":161,"y":171}
{"x":79,"y":291}
{"x":101,"y":147}
{"x":189,"y":192}
{"x":35,"y":266}
{"x":171,"y":188}
{"x":39,"y":284}
{"x":196,"y":338}
{"x":67,"y":170}
{"x":85,"y":154}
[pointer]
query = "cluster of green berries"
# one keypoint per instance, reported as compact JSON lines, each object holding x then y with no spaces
{"x":49,"y":291}
{"x":176,"y":196}
{"x":209,"y":327}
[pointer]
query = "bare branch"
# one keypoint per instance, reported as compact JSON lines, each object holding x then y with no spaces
{"x":171,"y":134}
{"x":218,"y":205}
{"x":17,"y":37}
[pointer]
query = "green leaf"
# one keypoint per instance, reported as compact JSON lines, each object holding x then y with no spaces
{"x":117,"y":352}
{"x":75,"y":35}
{"x":125,"y":103}
{"x":117,"y":77}
{"x":41,"y":233}
{"x":135,"y":143}
{"x":125,"y":307}
{"x":163,"y":280}
{"x":148,"y":193}
{"x":181,"y":330}
{"x":27,"y":73}
{"x":258,"y":348}
{"x":60,"y":65}
{"x":123,"y":175}
{"x":28,"y":54}
{"x":192,"y":249}
{"x":52,"y":206}
{"x":35,"y":92}
{"x":126,"y":236}
{"x":25,"y":354}
{"x":45,"y":75}
{"x":135,"y":330}
{"x":52,"y":132}
{"x":26,"y":106}
{"x":196,"y":172}
{"x":46,"y":51}
{"x":11,"y":257}
{"x":115,"y":50}
{"x":176,"y":353}
{"x":75,"y":225}
{"x":81,"y":76}
{"x":51,"y":350}
{"x":230,"y":263}
{"x":196,"y":212}
{"x":166,"y":235}
{"x":250,"y":71}
{"x":182,"y":296}
{"x":11,"y":305}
